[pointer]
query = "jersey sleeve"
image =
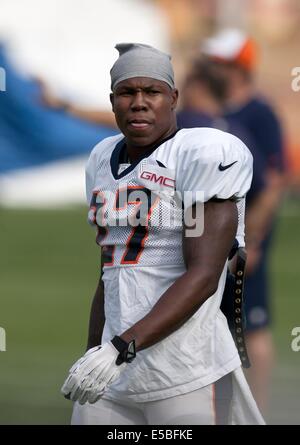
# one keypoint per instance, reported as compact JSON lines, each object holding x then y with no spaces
{"x":221,"y":169}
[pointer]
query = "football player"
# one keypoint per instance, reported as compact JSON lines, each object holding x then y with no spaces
{"x":160,"y":350}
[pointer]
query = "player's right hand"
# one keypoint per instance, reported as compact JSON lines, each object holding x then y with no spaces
{"x":89,"y":377}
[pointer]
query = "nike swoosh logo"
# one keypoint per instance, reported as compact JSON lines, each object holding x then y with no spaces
{"x":225,"y":167}
{"x":160,"y":164}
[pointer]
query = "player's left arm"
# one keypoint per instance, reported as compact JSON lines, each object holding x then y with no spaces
{"x":205,"y":257}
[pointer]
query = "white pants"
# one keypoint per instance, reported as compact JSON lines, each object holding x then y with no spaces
{"x":227,"y":401}
{"x":193,"y":408}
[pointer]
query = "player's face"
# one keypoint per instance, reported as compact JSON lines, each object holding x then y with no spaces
{"x":145,"y":110}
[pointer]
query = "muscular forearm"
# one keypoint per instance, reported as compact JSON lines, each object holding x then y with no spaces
{"x":97,"y":317}
{"x":173,"y":309}
{"x":205,"y":257}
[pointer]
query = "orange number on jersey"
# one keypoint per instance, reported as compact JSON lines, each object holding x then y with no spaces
{"x":139,"y":233}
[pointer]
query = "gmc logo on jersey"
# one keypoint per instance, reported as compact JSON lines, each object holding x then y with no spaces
{"x":163,"y":180}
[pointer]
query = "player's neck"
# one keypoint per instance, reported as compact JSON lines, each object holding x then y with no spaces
{"x":134,"y":150}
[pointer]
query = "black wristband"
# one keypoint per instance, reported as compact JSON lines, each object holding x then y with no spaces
{"x":126,"y":350}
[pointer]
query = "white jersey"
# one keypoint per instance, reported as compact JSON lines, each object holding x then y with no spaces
{"x":138,"y":210}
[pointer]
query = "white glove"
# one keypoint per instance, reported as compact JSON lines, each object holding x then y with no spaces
{"x":91,"y":374}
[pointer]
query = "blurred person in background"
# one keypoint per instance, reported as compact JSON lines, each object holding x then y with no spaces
{"x":235,"y":55}
{"x":204,"y":94}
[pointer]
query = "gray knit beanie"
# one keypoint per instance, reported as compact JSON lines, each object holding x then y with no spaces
{"x":139,"y":60}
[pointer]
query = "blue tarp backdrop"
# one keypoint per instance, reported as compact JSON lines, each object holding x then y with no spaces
{"x":32,"y":134}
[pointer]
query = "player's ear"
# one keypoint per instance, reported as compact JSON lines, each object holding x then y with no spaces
{"x":111,"y":98}
{"x":174,"y":95}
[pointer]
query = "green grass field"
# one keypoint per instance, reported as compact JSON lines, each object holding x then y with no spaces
{"x":48,"y":272}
